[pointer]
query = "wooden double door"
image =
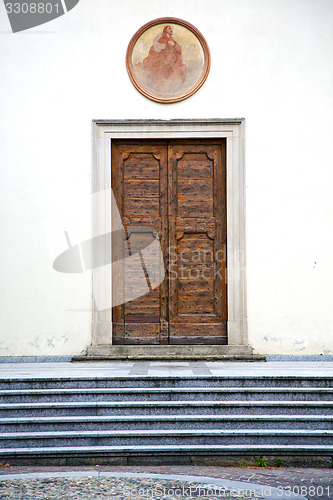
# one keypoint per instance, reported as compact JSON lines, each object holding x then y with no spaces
{"x":170,"y":195}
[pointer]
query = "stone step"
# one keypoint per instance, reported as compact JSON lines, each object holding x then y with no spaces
{"x":230,"y":407}
{"x":134,"y":415}
{"x":136,"y":381}
{"x":166,"y":437}
{"x":136,"y":422}
{"x":172,"y":357}
{"x":167,"y":394}
{"x":169,"y":353}
{"x":228,"y":450}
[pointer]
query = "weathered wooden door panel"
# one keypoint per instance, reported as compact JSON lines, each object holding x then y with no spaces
{"x":197,"y":239}
{"x":175,"y":190}
{"x":139,"y":180}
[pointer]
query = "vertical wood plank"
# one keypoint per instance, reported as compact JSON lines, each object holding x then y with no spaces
{"x":173,"y":250}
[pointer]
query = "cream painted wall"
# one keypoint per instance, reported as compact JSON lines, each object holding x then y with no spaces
{"x":272,"y":63}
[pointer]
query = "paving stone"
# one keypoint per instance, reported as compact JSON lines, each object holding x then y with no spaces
{"x":288,"y":478}
{"x":117,"y":488}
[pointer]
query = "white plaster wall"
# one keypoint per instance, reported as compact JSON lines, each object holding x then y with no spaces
{"x":272,"y":63}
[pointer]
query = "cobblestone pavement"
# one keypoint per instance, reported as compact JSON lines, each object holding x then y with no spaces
{"x":115,"y":488}
{"x":312,"y":483}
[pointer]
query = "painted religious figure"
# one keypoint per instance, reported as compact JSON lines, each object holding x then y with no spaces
{"x":168,"y":61}
{"x":164,"y":63}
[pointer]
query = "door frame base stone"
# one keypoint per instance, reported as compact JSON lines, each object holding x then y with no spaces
{"x":170,"y":353}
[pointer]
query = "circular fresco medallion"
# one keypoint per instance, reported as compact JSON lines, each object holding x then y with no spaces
{"x":168,"y":60}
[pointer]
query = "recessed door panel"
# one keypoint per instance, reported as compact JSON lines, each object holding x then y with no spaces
{"x":139,"y":182}
{"x":197,"y":237}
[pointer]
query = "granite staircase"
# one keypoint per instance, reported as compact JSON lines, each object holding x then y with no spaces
{"x":52,"y":420}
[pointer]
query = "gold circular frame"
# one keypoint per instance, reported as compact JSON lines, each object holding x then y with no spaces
{"x":201,"y":77}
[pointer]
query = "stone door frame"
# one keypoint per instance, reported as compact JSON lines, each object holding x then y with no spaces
{"x":104,"y":131}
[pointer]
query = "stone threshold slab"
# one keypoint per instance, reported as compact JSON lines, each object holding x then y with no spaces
{"x":249,"y":358}
{"x":169,"y":353}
